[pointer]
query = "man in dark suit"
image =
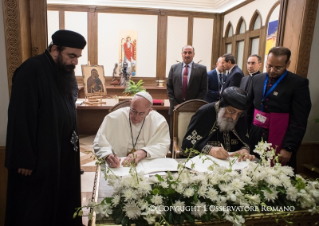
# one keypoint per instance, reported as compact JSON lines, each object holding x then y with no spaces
{"x":216,"y":79}
{"x":253,"y":65}
{"x":186,"y":80}
{"x":282,"y":109}
{"x":235,"y":74}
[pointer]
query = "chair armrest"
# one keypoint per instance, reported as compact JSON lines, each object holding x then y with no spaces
{"x":176,"y":150}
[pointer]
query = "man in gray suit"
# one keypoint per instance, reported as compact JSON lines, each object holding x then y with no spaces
{"x":186,"y":81}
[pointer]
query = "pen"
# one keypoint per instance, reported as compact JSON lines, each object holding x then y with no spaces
{"x":223,"y":148}
{"x":115,"y":155}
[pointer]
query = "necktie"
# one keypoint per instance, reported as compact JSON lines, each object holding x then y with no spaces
{"x":221,"y":80}
{"x":184,"y":88}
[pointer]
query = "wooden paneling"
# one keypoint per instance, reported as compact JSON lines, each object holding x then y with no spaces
{"x":190,"y":30}
{"x":25,"y":29}
{"x":217,"y":37}
{"x":247,"y":49}
{"x":92,"y":41}
{"x":222,"y":41}
{"x":3,"y":185}
{"x":300,"y":20}
{"x":307,"y":154}
{"x":126,"y":10}
{"x":61,"y":19}
{"x":17,"y":36}
{"x":161,"y":46}
{"x":281,"y":22}
{"x":38,"y":25}
{"x":262,"y":46}
{"x":306,"y":38}
{"x":254,"y":33}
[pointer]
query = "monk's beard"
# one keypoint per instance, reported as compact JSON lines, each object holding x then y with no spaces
{"x":66,"y":80}
{"x":225,"y":124}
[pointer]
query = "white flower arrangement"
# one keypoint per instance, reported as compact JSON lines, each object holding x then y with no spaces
{"x":187,"y":196}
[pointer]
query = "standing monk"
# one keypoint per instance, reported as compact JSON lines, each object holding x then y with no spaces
{"x":42,"y":152}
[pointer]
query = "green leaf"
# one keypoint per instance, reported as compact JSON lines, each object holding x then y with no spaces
{"x":189,"y":218}
{"x":181,"y":219}
{"x":118,"y":219}
{"x":170,"y":217}
{"x":159,"y":177}
{"x":124,"y":221}
{"x":156,"y":191}
{"x":195,"y":197}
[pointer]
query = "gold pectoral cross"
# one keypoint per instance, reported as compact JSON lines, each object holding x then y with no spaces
{"x":132,"y":151}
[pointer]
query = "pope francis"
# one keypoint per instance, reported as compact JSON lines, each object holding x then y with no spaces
{"x":136,"y":132}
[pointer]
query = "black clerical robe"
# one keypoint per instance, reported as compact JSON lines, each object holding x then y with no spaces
{"x":246,"y":85}
{"x":290,"y":96}
{"x":203,"y":132}
{"x":41,"y":121}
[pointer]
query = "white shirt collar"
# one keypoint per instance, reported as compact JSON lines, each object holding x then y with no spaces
{"x":189,"y":65}
{"x":231,"y":68}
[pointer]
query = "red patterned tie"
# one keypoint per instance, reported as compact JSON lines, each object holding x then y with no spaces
{"x":184,"y":88}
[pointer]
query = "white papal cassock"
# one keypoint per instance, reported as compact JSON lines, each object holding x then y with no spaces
{"x":115,"y":133}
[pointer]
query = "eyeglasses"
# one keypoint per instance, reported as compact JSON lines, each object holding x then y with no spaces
{"x":275,"y":68}
{"x":136,"y":113}
{"x":239,"y":114}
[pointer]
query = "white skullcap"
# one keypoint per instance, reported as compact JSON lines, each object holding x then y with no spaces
{"x":146,"y":95}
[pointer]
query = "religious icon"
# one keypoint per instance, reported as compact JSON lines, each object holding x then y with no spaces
{"x":128,"y":50}
{"x":93,"y":80}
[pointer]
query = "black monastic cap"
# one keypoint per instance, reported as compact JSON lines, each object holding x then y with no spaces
{"x":235,"y":97}
{"x":68,"y":38}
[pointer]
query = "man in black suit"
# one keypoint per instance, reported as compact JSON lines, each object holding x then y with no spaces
{"x":253,"y":65}
{"x":282,"y":109}
{"x":235,"y":74}
{"x":216,"y":79}
{"x":186,"y":83}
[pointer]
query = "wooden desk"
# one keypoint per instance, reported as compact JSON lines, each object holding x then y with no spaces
{"x":90,"y":117}
{"x":155,"y":91}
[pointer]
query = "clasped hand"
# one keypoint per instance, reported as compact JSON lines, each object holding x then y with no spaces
{"x":114,"y":161}
{"x":221,"y":153}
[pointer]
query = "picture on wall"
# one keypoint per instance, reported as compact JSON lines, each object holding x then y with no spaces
{"x":271,"y":38}
{"x":128,"y":54}
{"x":93,"y":80}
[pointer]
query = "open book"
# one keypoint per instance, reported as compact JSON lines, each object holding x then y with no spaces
{"x":148,"y":166}
{"x":201,"y":166}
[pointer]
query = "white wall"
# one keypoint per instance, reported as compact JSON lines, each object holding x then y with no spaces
{"x":4,"y":91}
{"x":109,"y":27}
{"x":53,"y":23}
{"x":312,"y":133}
{"x":203,"y":41}
{"x":77,"y":21}
{"x":176,"y":40}
{"x":247,"y":11}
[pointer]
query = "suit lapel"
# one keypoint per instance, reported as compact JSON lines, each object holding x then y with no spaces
{"x":180,"y":77}
{"x":193,"y":72}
